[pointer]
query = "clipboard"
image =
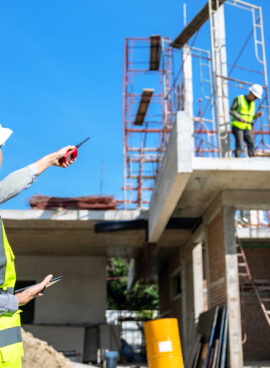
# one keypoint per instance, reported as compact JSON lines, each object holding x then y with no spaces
{"x":52,"y":282}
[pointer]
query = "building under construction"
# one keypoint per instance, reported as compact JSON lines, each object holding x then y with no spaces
{"x":194,"y":216}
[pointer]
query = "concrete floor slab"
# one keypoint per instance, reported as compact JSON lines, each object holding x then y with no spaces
{"x":186,"y":185}
{"x":70,"y":232}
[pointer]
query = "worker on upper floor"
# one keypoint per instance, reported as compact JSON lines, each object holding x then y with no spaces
{"x":243,"y":116}
{"x":11,"y":347}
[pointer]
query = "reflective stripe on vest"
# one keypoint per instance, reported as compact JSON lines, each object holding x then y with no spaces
{"x":11,"y":346}
{"x":10,"y":336}
{"x":247,"y":111}
{"x":7,"y":291}
{"x":3,"y":258}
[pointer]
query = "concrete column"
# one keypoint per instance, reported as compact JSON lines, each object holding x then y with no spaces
{"x":232,"y":287}
{"x":172,"y":177}
{"x":187,"y":296}
{"x":187,"y":81}
{"x":197,"y":261}
{"x":221,"y":85}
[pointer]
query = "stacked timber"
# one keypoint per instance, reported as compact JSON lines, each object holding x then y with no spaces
{"x":42,"y":202}
{"x":210,"y":341}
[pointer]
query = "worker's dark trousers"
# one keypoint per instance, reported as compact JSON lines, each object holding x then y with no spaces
{"x":247,"y":136}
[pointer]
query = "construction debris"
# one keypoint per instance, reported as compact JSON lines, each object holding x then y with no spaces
{"x":38,"y":353}
{"x":42,"y":202}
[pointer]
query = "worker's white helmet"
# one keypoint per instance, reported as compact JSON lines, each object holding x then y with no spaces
{"x":257,"y":90}
{"x":5,"y":133}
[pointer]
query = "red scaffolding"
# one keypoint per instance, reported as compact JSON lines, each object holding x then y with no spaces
{"x":146,"y":114}
{"x":153,"y":89}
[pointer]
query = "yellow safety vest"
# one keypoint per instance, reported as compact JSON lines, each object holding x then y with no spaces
{"x":11,"y":346}
{"x":247,"y":111}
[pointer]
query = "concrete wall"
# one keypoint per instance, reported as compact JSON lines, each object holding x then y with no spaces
{"x":78,"y":299}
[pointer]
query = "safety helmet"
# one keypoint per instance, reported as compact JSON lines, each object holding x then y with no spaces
{"x":256,"y":90}
{"x":5,"y":133}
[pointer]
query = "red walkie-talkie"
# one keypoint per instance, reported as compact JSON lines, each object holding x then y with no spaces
{"x":72,"y":153}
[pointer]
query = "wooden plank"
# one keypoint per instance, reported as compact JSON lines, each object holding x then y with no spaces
{"x":198,"y":354}
{"x":194,"y":25}
{"x":203,"y":355}
{"x":192,"y":350}
{"x":143,"y":106}
{"x":154,"y":52}
{"x":211,"y":342}
{"x":262,"y":154}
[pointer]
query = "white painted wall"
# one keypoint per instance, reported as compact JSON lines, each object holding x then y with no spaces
{"x":79,"y":298}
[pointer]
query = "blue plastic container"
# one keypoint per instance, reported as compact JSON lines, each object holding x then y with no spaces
{"x":111,"y":358}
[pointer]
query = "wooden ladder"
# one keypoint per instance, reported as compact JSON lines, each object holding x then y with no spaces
{"x":246,"y":280}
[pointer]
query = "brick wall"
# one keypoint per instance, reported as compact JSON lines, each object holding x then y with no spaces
{"x":257,"y":346}
{"x":168,"y":302}
{"x":215,"y":244}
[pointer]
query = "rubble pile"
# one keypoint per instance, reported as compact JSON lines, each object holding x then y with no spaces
{"x":38,"y":353}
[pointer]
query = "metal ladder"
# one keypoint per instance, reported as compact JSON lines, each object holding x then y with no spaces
{"x":245,"y":274}
{"x":207,"y":92}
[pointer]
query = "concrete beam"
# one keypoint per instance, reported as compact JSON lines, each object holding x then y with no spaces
{"x":258,"y":234}
{"x":72,"y":215}
{"x":247,"y":199}
{"x":173,"y":176}
{"x":240,"y":200}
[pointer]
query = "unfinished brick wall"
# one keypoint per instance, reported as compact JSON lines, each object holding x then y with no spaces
{"x":215,"y":245}
{"x":164,"y":291}
{"x":258,"y":331}
{"x":170,"y":265}
{"x":170,"y":304}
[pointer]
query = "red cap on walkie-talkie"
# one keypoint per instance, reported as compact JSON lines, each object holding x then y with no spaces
{"x":72,"y":153}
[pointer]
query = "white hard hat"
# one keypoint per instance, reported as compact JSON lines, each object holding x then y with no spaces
{"x":257,"y":90}
{"x":5,"y":133}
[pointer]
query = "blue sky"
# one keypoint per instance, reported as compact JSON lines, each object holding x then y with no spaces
{"x":61,"y":70}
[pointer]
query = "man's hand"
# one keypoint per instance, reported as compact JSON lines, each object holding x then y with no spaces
{"x":258,"y":114}
{"x":27,"y":295}
{"x":61,"y":153}
{"x":53,"y":159}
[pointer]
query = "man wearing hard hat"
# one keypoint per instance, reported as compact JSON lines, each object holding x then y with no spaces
{"x":243,"y":115}
{"x":11,"y":347}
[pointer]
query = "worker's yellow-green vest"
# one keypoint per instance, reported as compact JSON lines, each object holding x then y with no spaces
{"x":11,"y":346}
{"x":247,"y":111}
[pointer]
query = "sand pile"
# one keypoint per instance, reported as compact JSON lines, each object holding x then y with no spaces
{"x":38,"y":353}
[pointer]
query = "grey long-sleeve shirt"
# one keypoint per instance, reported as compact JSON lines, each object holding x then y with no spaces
{"x":11,"y":186}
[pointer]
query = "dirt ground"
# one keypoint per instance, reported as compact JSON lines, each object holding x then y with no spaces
{"x":38,"y":353}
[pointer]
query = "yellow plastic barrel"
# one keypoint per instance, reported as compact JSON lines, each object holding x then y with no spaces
{"x":163,"y":344}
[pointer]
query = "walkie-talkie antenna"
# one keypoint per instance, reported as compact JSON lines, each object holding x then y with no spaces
{"x":79,"y":145}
